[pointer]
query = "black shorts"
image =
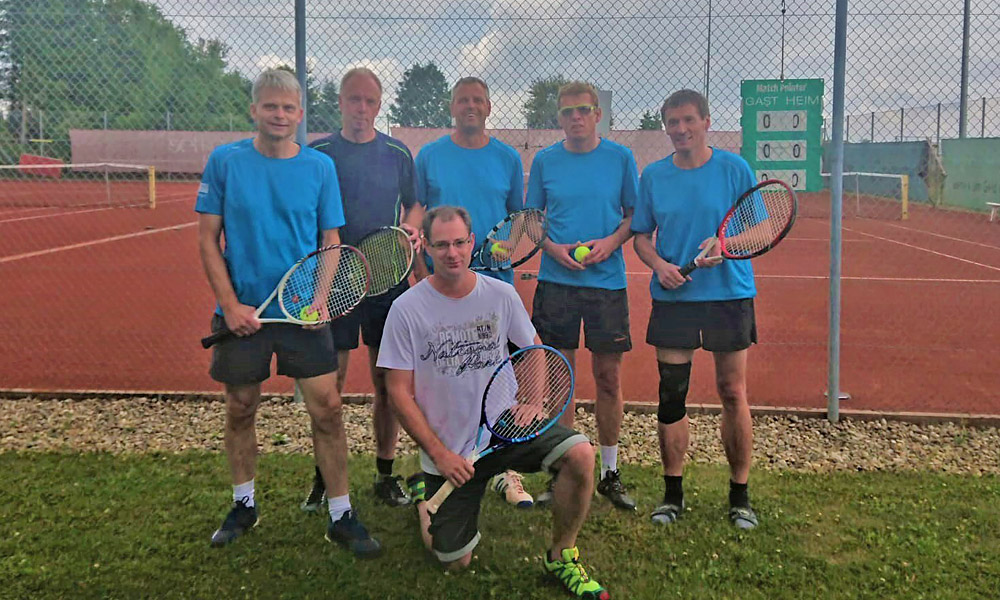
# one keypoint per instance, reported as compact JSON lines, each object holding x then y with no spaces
{"x":302,"y":353}
{"x":557,"y":310}
{"x":369,"y":317}
{"x":723,"y":326}
{"x":455,"y":527}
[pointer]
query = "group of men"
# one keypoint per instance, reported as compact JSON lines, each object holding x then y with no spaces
{"x":432,"y":346}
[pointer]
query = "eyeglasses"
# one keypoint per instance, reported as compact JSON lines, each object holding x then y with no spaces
{"x":583,"y":109}
{"x":458,"y":244}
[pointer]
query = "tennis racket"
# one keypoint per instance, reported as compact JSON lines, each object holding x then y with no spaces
{"x":525,"y":396}
{"x":513,"y":240}
{"x":320,"y":287}
{"x":390,"y":258}
{"x":760,"y":219}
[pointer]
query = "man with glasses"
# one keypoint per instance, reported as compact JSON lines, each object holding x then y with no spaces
{"x":483,"y":175}
{"x":588,"y":188}
{"x":443,"y":339}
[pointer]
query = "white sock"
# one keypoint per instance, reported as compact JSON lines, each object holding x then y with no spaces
{"x":244,"y":491}
{"x":339,"y":505}
{"x":609,"y":459}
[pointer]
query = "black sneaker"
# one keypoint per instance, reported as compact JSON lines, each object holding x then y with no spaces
{"x":317,"y":495}
{"x":241,"y":518}
{"x":612,"y":488}
{"x":351,"y":534}
{"x":390,"y":490}
{"x":545,"y":498}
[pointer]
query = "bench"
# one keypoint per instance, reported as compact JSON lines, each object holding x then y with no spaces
{"x":994,"y":208}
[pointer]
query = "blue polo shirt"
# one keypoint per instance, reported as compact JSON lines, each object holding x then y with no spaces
{"x":273,"y":211}
{"x":685,"y":206}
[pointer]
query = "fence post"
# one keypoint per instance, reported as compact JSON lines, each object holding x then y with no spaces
{"x":873,"y":127}
{"x":963,"y":90}
{"x":982,"y":125}
{"x":847,"y":129}
{"x":937,"y":136}
{"x":902,"y":117}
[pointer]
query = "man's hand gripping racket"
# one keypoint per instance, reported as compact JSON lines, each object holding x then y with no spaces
{"x":512,"y":241}
{"x":759,"y":219}
{"x":320,"y":287}
{"x":525,"y":396}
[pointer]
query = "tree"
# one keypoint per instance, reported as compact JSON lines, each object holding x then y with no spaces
{"x":84,"y":63}
{"x":422,"y":98}
{"x":540,"y":111}
{"x":324,"y":108}
{"x":650,"y":121}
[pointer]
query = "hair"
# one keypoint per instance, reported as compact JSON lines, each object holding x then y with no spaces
{"x":467,"y":80}
{"x":574,"y":88}
{"x":445,"y":213}
{"x":359,"y":72}
{"x":681,"y":98}
{"x":275,"y":79}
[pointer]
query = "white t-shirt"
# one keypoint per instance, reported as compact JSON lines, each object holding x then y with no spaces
{"x":453,"y":345}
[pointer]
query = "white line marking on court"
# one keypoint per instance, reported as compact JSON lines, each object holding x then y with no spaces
{"x":892,"y":241}
{"x":947,"y":237}
{"x":827,"y":277}
{"x":78,"y":212}
{"x":7,"y":259}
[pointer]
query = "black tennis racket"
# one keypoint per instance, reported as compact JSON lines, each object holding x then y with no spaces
{"x":759,"y":220}
{"x":525,"y":396}
{"x":390,"y":256}
{"x":320,"y":287}
{"x":512,"y":241}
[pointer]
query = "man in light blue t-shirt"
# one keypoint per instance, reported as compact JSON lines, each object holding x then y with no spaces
{"x":273,"y":200}
{"x":587,"y":187}
{"x":468,"y":168}
{"x":683,"y":197}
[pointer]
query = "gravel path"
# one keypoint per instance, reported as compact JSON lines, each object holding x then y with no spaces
{"x":147,"y":425}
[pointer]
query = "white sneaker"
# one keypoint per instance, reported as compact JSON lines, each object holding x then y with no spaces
{"x":508,"y":484}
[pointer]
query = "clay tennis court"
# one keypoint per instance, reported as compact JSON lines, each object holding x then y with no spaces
{"x":106,"y":299}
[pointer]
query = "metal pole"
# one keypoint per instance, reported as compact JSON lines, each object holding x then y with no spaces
{"x":982,"y":123}
{"x":937,"y":136}
{"x":782,"y":75}
{"x":963,"y":94}
{"x":708,"y":52}
{"x":902,"y":119}
{"x":300,"y":65}
{"x":873,"y":127}
{"x":847,"y":129}
{"x":836,"y":211}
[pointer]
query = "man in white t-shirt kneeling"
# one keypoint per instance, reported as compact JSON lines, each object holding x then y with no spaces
{"x":443,"y":338}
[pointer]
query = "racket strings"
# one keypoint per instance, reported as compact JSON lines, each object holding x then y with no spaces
{"x":325,"y":285}
{"x":389,"y":255}
{"x":519,"y":236}
{"x":528,"y":394}
{"x":758,"y":221}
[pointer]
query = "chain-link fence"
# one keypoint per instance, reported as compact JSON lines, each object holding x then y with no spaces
{"x":102,"y":296}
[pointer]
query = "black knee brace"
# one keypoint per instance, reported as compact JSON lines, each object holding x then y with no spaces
{"x":674,"y":381}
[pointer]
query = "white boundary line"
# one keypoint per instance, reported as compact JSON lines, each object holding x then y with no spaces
{"x":81,"y":212}
{"x":946,"y":237}
{"x":16,"y":257}
{"x":826,"y":277}
{"x":928,"y":250}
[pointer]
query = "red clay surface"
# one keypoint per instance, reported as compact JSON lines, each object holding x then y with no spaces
{"x":115,"y":299}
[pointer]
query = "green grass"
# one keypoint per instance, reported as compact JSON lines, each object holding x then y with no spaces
{"x":97,"y":525}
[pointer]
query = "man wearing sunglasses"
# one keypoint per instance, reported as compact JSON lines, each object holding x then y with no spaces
{"x":588,"y":187}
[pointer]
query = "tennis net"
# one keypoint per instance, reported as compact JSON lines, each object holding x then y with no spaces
{"x":882,"y":196}
{"x":111,"y":185}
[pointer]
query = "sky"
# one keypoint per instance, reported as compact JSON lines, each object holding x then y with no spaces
{"x":900,"y":53}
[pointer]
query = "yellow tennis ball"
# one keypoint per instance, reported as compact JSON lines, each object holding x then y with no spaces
{"x":308,"y":314}
{"x":498,"y":250}
{"x":580,"y":253}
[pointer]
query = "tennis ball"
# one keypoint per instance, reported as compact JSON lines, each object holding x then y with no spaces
{"x":497,"y":250}
{"x":580,"y":253}
{"x":308,"y":314}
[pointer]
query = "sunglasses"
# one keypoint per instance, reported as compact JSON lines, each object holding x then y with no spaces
{"x":583,"y":109}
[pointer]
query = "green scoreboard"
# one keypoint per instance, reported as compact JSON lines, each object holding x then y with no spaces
{"x":783,"y":130}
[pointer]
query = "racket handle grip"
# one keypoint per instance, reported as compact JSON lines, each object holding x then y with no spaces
{"x":688,"y":269}
{"x":438,"y":499}
{"x":218,"y":336}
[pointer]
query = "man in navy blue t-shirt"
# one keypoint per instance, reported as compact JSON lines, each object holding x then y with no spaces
{"x":683,"y":197}
{"x":378,"y":188}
